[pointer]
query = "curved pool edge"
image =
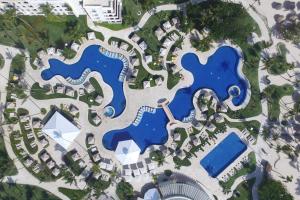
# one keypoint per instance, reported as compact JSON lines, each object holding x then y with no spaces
{"x":203,"y":61}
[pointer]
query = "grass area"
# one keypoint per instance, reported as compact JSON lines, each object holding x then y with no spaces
{"x":246,"y":169}
{"x":278,"y":65}
{"x":73,"y":194}
{"x":143,"y":75}
{"x":231,"y":21}
{"x":251,"y":126}
{"x":16,"y":70}
{"x":183,"y":136}
{"x":147,"y":32}
{"x":89,"y":98}
{"x":181,"y":162}
{"x":1,"y":61}
{"x":38,"y":32}
{"x":73,"y":165}
{"x":40,"y":93}
{"x":274,"y":93}
{"x":7,"y":167}
{"x":114,"y":27}
{"x":272,"y":189}
{"x":8,"y":119}
{"x":26,"y":140}
{"x":243,"y":190}
{"x":24,"y":192}
{"x":173,"y":79}
{"x":45,"y":174}
{"x":90,"y":118}
{"x":118,"y":40}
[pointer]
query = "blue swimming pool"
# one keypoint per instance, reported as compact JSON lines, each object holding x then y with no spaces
{"x":151,"y":130}
{"x":223,"y":155}
{"x":93,"y":59}
{"x":218,"y":74}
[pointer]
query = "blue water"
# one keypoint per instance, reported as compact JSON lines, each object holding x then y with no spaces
{"x":223,"y":155}
{"x":218,"y":74}
{"x":91,"y":58}
{"x":151,"y":130}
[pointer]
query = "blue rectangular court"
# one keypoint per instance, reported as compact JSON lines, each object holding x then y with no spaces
{"x":223,"y":154}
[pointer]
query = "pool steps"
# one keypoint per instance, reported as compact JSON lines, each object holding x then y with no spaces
{"x":190,"y":118}
{"x":140,"y":114}
{"x":81,"y":79}
{"x":117,"y":56}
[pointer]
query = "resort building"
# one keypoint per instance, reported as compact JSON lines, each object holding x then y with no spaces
{"x":104,"y":10}
{"x":176,"y":189}
{"x":61,"y":130}
{"x":109,"y":11}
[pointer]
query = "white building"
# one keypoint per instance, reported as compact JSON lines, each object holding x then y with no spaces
{"x":98,"y":10}
{"x":33,"y":7}
{"x":104,"y":10}
{"x":61,"y":130}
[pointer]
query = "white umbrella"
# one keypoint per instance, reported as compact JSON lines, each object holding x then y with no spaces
{"x":127,"y":152}
{"x":152,"y":194}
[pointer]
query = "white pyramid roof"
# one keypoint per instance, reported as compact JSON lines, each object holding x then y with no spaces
{"x":127,"y":152}
{"x":61,"y":130}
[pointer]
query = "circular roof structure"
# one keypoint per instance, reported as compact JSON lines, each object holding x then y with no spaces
{"x":182,"y":191}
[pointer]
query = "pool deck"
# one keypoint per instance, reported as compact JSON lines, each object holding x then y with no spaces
{"x":195,"y":170}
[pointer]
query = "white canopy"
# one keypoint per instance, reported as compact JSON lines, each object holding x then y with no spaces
{"x":127,"y":152}
{"x":61,"y":130}
{"x":152,"y":194}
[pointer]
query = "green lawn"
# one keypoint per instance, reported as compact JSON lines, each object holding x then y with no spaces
{"x":90,"y":118}
{"x":147,"y":32}
{"x":183,"y":136}
{"x":73,"y":194}
{"x":40,"y":93}
{"x":37,"y":32}
{"x":278,"y":65}
{"x":7,"y":167}
{"x":173,"y":79}
{"x":89,"y":98}
{"x":243,"y":190}
{"x":16,"y":70}
{"x":27,"y":141}
{"x":273,"y":94}
{"x":251,"y":126}
{"x":142,"y":75}
{"x":231,"y":21}
{"x":74,"y":166}
{"x":43,"y":175}
{"x":119,"y":41}
{"x":246,"y":169}
{"x":272,"y":189}
{"x":181,"y":162}
{"x":1,"y":61}
{"x":24,"y":192}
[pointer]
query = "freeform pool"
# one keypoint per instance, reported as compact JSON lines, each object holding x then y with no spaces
{"x":149,"y":131}
{"x":218,"y":74}
{"x":93,"y":59}
{"x":223,"y":155}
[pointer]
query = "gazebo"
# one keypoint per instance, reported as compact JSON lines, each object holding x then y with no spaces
{"x":61,"y":130}
{"x":127,"y":152}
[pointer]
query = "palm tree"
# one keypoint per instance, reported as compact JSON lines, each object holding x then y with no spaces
{"x":68,"y":176}
{"x":46,"y":9}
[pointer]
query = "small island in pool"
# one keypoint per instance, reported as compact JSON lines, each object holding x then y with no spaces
{"x":218,"y":74}
{"x":93,"y":59}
